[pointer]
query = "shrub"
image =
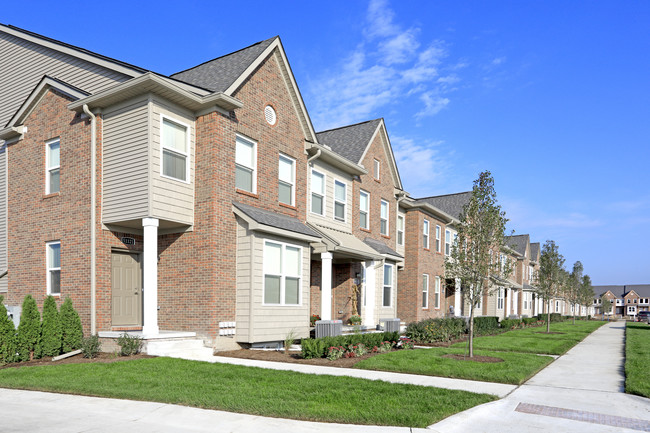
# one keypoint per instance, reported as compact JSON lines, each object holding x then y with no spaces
{"x":8,"y":343}
{"x":530,"y":321}
{"x":90,"y":346}
{"x":335,"y":352}
{"x":71,"y":330}
{"x":385,"y":346}
{"x":406,"y":343}
{"x":355,"y":320}
{"x":129,"y":344}
{"x":436,"y":330}
{"x":486,"y":325}
{"x":510,"y":323}
{"x":50,"y":329}
{"x":312,"y":319}
{"x":29,"y":330}
{"x":318,"y":347}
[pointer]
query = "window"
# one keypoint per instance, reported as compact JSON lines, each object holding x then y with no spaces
{"x":437,"y":294}
{"x":53,"y":165}
{"x":400,"y":230}
{"x":282,"y":273}
{"x":340,"y":198}
{"x":383,"y":221}
{"x":557,"y":306}
{"x":245,"y":165}
{"x":526,"y":301}
{"x":376,"y":167}
{"x":317,"y":192}
{"x":447,"y":242}
{"x":530,"y":273}
{"x":425,"y":234}
{"x":388,"y":286}
{"x":175,"y":150}
{"x":500,"y":299}
{"x":364,"y":204}
{"x":286,"y":180}
{"x":425,"y":291}
{"x":53,"y":253}
{"x":438,"y":238}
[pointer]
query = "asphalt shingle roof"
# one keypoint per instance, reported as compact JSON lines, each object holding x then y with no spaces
{"x":381,"y":247}
{"x":534,"y":251}
{"x":643,"y":290}
{"x":218,"y":74}
{"x":451,"y":204}
{"x":349,"y":141}
{"x":517,"y":243}
{"x":275,"y":220}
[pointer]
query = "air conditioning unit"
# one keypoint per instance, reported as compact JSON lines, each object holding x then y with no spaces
{"x":329,"y":328}
{"x":390,"y":325}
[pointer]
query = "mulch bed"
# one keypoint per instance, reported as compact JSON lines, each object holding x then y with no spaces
{"x":475,"y":358}
{"x":103,"y":358}
{"x":292,"y":357}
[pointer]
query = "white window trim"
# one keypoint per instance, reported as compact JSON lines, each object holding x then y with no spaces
{"x":48,"y":169}
{"x":425,"y":291}
{"x":400,"y":218}
{"x":437,"y":294}
{"x":366,"y":210}
{"x":283,"y":276}
{"x":392,"y":286}
{"x":344,"y":202}
{"x":438,"y":242}
{"x":253,"y":168}
{"x":311,"y":192}
{"x":447,"y":242}
{"x":500,"y":299}
{"x":425,"y":233}
{"x":385,"y":233}
{"x":188,"y":131}
{"x":376,"y":167}
{"x":49,"y":269}
{"x":293,"y":179}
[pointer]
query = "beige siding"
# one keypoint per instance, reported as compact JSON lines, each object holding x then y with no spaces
{"x":126,"y":167}
{"x":382,"y":312}
{"x":243,"y":304}
{"x":331,"y":174}
{"x":3,"y":215}
{"x":171,"y":199}
{"x":401,"y":248}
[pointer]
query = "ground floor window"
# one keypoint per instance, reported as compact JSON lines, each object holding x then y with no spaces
{"x":500,"y":299}
{"x":53,"y":253}
{"x":282,"y":273}
{"x":388,"y":286}
{"x":437,"y":293}
{"x":425,"y":291}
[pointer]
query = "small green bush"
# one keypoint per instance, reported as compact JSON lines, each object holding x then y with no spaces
{"x":486,"y":325}
{"x":8,"y":342}
{"x":29,"y":330}
{"x":509,"y":324}
{"x":129,"y":344}
{"x":51,"y":329}
{"x":90,"y":346}
{"x":436,"y":330}
{"x":71,"y":329}
{"x":529,"y":321}
{"x":318,"y":347}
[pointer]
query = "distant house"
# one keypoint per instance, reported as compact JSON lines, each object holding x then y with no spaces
{"x":626,"y":301}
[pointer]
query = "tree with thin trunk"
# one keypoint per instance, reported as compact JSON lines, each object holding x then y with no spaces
{"x":605,"y":305}
{"x":481,"y":230}
{"x":573,"y":287}
{"x":549,"y":277}
{"x":586,"y":292}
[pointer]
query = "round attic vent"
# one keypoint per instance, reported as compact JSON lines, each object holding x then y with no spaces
{"x":269,"y":115}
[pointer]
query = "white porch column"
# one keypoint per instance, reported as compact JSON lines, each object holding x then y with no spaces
{"x":326,"y":286}
{"x":507,"y":309}
{"x":150,"y":276}
{"x":515,"y":302}
{"x":371,"y":281}
{"x":457,"y":299}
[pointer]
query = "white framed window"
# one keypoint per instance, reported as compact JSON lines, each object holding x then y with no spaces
{"x":364,"y":206}
{"x":530,"y":273}
{"x":425,"y":234}
{"x":340,"y":199}
{"x":438,"y":246}
{"x":53,"y":260}
{"x":557,"y":306}
{"x":436,"y":299}
{"x":282,"y":273}
{"x":317,"y":192}
{"x":53,"y":166}
{"x":425,"y":291}
{"x":286,"y":180}
{"x":246,"y":164}
{"x":400,"y":230}
{"x":500,"y":299}
{"x":174,"y":149}
{"x":526,"y":301}
{"x":387,"y":295}
{"x":447,"y":242}
{"x":377,"y":166}
{"x":383,"y":217}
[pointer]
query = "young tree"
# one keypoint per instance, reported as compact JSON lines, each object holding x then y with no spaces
{"x":481,"y":230}
{"x":8,"y":346}
{"x":72,"y":332}
{"x":573,"y":287}
{"x":29,"y":330}
{"x":549,"y":277}
{"x":51,"y":330}
{"x":605,"y":305}
{"x":586,"y":292}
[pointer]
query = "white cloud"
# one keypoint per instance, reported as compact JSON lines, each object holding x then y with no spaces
{"x":433,"y":103}
{"x":498,"y":61}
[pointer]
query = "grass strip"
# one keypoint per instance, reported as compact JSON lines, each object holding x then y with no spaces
{"x":516,"y":368}
{"x":250,"y":390}
{"x":637,"y":359}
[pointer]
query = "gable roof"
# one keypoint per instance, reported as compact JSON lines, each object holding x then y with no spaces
{"x":219,"y":74}
{"x":518,"y":243}
{"x":350,"y":141}
{"x":451,"y":204}
{"x":534,"y":251}
{"x":643,"y":290}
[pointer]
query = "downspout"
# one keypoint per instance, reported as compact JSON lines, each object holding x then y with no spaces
{"x":314,"y":156}
{"x":93,"y":220}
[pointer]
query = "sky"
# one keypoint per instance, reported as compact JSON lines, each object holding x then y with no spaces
{"x":552,"y":97}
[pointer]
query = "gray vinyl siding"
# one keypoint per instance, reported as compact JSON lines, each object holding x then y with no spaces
{"x":23,"y":64}
{"x":126,"y":165}
{"x":170,"y":199}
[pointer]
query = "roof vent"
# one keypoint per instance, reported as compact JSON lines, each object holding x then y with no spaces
{"x":269,"y":115}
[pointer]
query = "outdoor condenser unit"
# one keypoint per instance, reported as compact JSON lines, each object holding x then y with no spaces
{"x":391,"y":325}
{"x":329,"y":328}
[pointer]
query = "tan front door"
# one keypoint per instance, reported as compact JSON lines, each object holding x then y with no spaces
{"x":126,"y":276}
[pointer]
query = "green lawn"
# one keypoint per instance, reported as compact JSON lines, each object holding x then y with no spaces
{"x":516,"y":368}
{"x":535,"y":340}
{"x":250,"y":390}
{"x":637,"y":359}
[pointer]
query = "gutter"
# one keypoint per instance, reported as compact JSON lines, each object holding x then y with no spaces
{"x":93,"y":220}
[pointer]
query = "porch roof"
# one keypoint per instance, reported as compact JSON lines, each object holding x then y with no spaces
{"x":346,"y":243}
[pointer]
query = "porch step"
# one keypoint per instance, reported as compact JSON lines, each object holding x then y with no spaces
{"x":186,"y":348}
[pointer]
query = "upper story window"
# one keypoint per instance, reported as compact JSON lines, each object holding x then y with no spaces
{"x":364,"y":205}
{"x":438,"y":246}
{"x":175,"y":150}
{"x":246,"y":165}
{"x":53,"y":258}
{"x":286,"y":180}
{"x":282,"y":273}
{"x":425,"y":291}
{"x":425,"y":234}
{"x":447,"y":242}
{"x":530,"y":273}
{"x":383,"y":219}
{"x":317,"y":192}
{"x":340,"y":199}
{"x":53,"y":166}
{"x":400,"y":230}
{"x":377,"y":166}
{"x":387,"y":294}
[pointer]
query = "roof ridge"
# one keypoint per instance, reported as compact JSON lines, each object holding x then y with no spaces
{"x":225,"y":55}
{"x":443,"y":195}
{"x":349,"y":126}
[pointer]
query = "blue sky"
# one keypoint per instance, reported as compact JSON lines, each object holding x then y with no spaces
{"x":552,"y":97}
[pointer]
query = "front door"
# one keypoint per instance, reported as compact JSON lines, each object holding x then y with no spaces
{"x":126,"y":276}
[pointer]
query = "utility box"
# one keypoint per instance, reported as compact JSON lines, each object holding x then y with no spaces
{"x":390,"y":325}
{"x":329,"y":328}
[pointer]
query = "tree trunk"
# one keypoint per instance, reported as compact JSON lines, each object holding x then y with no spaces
{"x":471,"y":332}
{"x":548,"y":316}
{"x":574,"y":314}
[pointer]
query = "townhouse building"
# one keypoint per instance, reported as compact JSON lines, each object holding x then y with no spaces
{"x":627,"y":300}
